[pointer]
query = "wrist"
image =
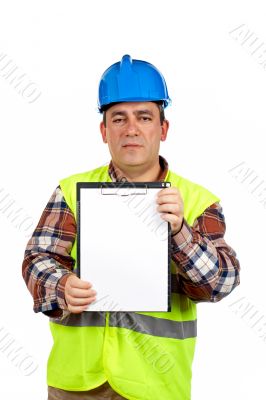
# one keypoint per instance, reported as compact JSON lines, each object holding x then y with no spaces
{"x":173,"y":233}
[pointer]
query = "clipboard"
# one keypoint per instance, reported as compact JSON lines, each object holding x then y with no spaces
{"x":123,"y":246}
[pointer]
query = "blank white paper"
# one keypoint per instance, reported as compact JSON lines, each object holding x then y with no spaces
{"x":124,"y":249}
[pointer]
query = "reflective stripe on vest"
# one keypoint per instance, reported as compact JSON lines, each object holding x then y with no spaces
{"x":154,"y":326}
{"x":136,"y":322}
{"x":87,"y":318}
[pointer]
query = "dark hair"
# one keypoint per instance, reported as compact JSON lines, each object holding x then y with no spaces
{"x":159,"y":104}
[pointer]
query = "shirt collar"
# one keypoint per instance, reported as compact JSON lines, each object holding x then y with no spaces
{"x":117,"y":176}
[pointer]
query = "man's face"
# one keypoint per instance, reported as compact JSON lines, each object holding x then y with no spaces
{"x":133,"y":132}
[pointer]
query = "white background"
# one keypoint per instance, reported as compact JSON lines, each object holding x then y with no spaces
{"x":217,"y":121}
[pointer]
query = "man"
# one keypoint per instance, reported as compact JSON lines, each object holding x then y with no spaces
{"x":129,"y":355}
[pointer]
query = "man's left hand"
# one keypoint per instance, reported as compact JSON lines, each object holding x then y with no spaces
{"x":170,"y":204}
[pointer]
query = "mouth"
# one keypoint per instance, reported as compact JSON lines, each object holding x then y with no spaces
{"x":131,"y":145}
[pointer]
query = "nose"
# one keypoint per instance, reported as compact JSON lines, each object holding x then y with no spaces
{"x":132,"y":128}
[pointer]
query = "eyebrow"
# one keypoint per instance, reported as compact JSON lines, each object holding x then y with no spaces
{"x":138,"y":112}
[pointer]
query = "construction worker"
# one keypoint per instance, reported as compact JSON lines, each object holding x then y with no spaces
{"x":119,"y":355}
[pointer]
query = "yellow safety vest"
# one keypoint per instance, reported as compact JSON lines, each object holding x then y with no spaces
{"x":143,"y":355}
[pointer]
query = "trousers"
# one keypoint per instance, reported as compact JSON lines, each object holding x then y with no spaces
{"x":103,"y":392}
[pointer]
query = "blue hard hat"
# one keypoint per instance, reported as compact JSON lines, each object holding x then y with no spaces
{"x":132,"y":80}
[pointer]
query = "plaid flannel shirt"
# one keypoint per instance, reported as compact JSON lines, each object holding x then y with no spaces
{"x":207,"y":268}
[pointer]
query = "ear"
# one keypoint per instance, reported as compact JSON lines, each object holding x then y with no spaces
{"x":103,"y":132}
{"x":165,"y":127}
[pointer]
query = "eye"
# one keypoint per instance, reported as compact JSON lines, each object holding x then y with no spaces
{"x":117,"y":120}
{"x":146,"y":118}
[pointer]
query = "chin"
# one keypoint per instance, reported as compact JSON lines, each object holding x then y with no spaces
{"x":133,"y":161}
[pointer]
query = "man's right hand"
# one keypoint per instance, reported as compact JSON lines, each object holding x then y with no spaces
{"x":78,"y":294}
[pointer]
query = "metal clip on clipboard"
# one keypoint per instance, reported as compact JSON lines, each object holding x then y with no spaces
{"x":124,"y":191}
